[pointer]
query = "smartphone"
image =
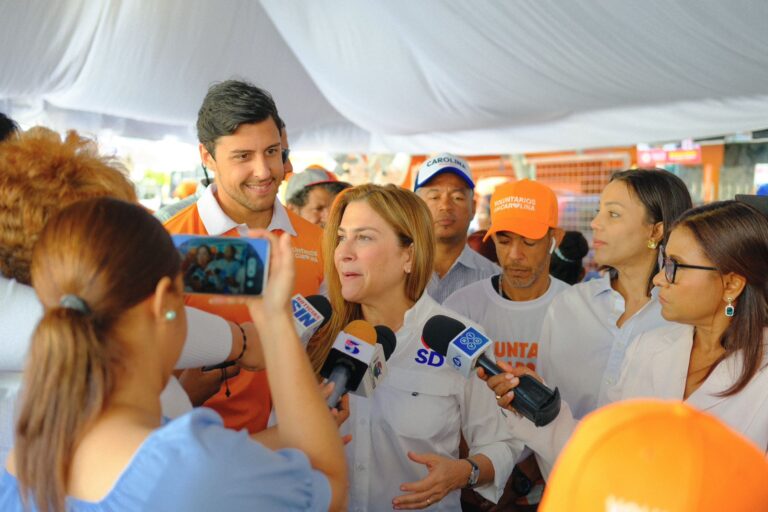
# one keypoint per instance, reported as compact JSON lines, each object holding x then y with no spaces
{"x":223,"y":265}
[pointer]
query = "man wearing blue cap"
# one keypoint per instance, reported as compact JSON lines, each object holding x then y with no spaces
{"x":445,"y":183}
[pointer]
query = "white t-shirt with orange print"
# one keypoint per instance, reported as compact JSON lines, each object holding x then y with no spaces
{"x":514,"y":326}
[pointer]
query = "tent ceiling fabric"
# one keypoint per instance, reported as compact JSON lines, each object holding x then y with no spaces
{"x":488,"y":76}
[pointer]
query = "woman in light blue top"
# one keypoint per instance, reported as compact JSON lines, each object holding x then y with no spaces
{"x":90,"y":435}
{"x":589,"y":327}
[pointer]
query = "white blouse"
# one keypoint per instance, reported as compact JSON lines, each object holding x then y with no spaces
{"x":581,"y":350}
{"x":423,"y":406}
{"x":656,"y":366}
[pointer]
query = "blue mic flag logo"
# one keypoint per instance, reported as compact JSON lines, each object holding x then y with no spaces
{"x":352,"y":346}
{"x":470,"y":341}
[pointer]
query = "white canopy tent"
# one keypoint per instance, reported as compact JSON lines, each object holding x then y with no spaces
{"x":488,"y":76}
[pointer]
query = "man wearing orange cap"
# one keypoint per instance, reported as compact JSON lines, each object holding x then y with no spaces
{"x":511,"y":306}
{"x":445,"y":183}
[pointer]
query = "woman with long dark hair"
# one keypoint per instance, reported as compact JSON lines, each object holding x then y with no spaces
{"x":714,"y":287}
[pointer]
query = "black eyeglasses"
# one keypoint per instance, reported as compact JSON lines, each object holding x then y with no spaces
{"x":670,"y":267}
{"x":286,"y":152}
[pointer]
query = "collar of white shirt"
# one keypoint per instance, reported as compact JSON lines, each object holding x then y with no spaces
{"x":600,"y":285}
{"x":419,"y":312}
{"x":217,"y":222}
{"x":603,"y":284}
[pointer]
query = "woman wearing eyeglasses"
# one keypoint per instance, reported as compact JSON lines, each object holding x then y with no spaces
{"x":713,"y":287}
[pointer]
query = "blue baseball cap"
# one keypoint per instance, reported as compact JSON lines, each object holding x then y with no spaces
{"x":440,"y":164}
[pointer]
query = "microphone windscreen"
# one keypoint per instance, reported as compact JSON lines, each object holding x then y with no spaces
{"x":323,"y":306}
{"x":439,"y":331}
{"x":361,"y":330}
{"x":387,"y":339}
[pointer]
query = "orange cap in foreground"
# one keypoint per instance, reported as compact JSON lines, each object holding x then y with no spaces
{"x":527,"y":208}
{"x":653,"y":455}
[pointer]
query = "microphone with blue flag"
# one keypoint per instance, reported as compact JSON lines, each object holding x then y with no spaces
{"x":465,"y":349}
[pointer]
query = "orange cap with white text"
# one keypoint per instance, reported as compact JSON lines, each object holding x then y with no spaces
{"x":657,"y":455}
{"x":526,"y":208}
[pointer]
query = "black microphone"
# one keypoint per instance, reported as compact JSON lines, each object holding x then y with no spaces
{"x":386,"y":338}
{"x":464,"y":348}
{"x":323,"y":306}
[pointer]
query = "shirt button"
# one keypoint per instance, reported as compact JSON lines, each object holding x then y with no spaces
{"x":360,"y":467}
{"x":609,"y":380}
{"x":415,"y":393}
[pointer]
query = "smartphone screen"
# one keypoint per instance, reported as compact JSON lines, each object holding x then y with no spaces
{"x":223,"y":265}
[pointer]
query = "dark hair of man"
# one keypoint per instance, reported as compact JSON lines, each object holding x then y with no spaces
{"x":565,"y":263}
{"x":734,"y":237}
{"x":7,"y":127}
{"x":664,"y":196}
{"x":229,"y":104}
{"x":300,"y":198}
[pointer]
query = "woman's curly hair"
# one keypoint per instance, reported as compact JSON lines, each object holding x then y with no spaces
{"x":39,"y":175}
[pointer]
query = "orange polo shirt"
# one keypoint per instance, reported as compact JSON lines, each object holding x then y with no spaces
{"x":249,"y":404}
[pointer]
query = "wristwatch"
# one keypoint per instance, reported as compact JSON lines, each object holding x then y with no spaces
{"x":474,"y":475}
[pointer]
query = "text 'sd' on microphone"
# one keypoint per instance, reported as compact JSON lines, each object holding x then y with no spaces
{"x":309,"y":315}
{"x":464,"y":348}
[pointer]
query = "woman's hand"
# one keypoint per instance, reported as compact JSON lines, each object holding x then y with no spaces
{"x":445,"y":475}
{"x":340,"y":413}
{"x":277,"y":294}
{"x":503,"y":385}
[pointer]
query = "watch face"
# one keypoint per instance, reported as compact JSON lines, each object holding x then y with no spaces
{"x":474,"y":475}
{"x":521,"y":484}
